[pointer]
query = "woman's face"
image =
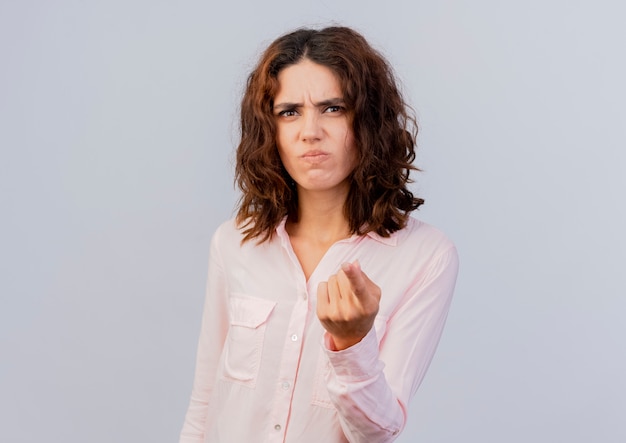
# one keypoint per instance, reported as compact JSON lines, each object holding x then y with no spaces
{"x":314,"y":134}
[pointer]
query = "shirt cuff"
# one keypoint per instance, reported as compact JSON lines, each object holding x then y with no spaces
{"x":358,"y":362}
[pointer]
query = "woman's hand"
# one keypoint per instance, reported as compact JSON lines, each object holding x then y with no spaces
{"x":347,"y":305}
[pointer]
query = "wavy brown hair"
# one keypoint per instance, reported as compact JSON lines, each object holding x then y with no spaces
{"x":384,"y":132}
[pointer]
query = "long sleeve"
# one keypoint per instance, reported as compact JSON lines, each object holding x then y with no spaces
{"x":372,"y":382}
{"x":212,"y":336}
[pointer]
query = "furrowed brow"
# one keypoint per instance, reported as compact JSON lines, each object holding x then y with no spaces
{"x":286,"y":105}
{"x":330,"y":102}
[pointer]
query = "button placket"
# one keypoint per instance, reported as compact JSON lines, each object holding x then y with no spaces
{"x":292,"y":346}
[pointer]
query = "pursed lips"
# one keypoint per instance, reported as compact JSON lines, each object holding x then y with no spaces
{"x":315,"y":156}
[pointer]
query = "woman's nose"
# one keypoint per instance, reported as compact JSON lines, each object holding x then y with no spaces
{"x":311,"y":127}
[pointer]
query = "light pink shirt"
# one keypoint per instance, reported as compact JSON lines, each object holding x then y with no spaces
{"x":264,"y":372}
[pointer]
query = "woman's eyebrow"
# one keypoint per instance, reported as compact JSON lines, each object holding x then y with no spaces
{"x":328,"y":102}
{"x":286,"y":105}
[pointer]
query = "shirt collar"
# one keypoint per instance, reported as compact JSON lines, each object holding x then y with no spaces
{"x":392,"y":240}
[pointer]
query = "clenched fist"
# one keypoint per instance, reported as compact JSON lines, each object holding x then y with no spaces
{"x":347,"y":305}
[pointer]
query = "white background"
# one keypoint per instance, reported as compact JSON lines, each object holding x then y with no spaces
{"x":117,"y":127}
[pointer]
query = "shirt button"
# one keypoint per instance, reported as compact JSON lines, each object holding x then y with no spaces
{"x":285,"y":385}
{"x":277,"y":427}
{"x":294,"y":337}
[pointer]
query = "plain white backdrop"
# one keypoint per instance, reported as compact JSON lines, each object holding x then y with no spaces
{"x":117,"y":128}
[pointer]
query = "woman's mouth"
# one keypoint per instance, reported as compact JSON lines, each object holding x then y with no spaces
{"x":315,"y":156}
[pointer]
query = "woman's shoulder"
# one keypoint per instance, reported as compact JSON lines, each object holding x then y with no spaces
{"x":232,"y":233}
{"x":418,"y":233}
{"x":228,"y":231}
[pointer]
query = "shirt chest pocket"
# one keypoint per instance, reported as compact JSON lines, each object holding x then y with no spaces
{"x":244,"y":341}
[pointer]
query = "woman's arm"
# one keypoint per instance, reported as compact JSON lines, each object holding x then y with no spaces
{"x":370,"y":385}
{"x":210,"y":344}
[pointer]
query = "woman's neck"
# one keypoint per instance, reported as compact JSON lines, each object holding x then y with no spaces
{"x":321,"y":223}
{"x":321,"y":218}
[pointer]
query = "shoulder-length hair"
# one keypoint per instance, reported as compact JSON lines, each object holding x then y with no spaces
{"x":383,"y":125}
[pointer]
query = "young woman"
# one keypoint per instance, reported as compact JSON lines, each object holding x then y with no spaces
{"x":325,"y":299}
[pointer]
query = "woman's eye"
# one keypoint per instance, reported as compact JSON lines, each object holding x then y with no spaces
{"x":334,"y":109}
{"x":287,"y":113}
